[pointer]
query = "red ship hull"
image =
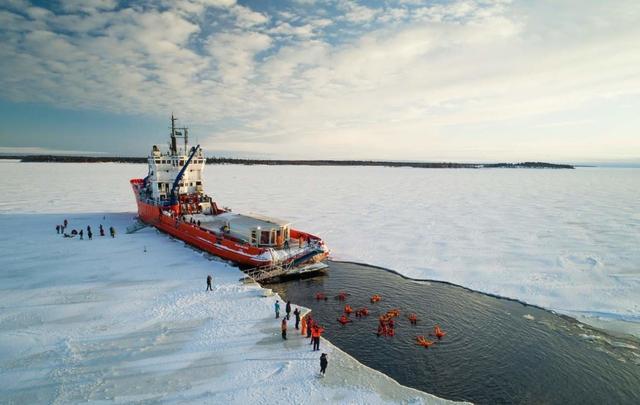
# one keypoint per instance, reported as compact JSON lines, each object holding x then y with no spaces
{"x":238,"y":252}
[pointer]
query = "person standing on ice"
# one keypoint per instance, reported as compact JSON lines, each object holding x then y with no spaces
{"x":288,"y":310}
{"x":277,"y":308}
{"x":89,"y":233}
{"x":316,"y":332}
{"x":101,"y":230}
{"x":65,"y":223}
{"x":309,"y":327}
{"x":58,"y":229}
{"x":296,"y":313}
{"x":112,"y":231}
{"x":323,"y":363}
{"x":283,"y":327}
{"x":81,"y":234}
{"x":209,"y":280}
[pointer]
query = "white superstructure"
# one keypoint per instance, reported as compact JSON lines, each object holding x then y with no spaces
{"x":165,"y":167}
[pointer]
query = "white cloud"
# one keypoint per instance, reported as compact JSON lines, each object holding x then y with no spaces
{"x":425,"y":82}
{"x":355,"y":12}
{"x":88,"y":6}
{"x":247,"y":18}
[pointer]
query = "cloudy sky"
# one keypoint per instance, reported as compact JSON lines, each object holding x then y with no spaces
{"x":471,"y":80}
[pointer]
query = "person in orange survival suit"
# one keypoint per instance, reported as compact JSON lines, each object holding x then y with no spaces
{"x":316,"y":332}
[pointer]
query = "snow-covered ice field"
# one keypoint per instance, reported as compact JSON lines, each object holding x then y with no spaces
{"x":567,"y":240}
{"x":128,"y":320}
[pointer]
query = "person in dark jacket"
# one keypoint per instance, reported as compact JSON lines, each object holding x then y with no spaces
{"x":81,"y":231}
{"x":277,"y":308}
{"x":283,"y":327}
{"x":101,"y":230}
{"x":58,"y":229}
{"x":296,"y":313}
{"x":323,"y":363}
{"x":288,"y":310}
{"x":90,"y":234}
{"x":65,"y":223}
{"x":209,"y":280}
{"x":112,"y":231}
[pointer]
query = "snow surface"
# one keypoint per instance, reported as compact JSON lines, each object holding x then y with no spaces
{"x":566,"y":240}
{"x":128,"y":319}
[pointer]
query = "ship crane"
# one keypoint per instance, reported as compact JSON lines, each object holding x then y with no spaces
{"x":174,"y":194}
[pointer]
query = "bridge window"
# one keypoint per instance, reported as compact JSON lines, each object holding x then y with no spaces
{"x":264,"y":237}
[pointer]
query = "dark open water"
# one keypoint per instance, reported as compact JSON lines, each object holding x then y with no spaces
{"x":493,"y":351}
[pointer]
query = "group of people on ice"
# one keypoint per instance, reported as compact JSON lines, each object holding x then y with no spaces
{"x":308,"y":327}
{"x":61,"y":230}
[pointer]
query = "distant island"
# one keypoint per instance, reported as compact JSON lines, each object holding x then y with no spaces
{"x":232,"y":161}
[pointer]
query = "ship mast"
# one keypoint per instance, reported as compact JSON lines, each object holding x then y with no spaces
{"x":174,"y":147}
{"x":175,"y":133}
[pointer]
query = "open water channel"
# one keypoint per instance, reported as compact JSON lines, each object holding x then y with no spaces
{"x":495,"y":351}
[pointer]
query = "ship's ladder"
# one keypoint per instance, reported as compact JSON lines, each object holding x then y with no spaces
{"x":267,"y":272}
{"x":136,"y":226}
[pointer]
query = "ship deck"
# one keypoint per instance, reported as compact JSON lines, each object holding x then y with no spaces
{"x":216,"y":223}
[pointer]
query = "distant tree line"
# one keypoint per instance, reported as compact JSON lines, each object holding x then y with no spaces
{"x":233,"y":161}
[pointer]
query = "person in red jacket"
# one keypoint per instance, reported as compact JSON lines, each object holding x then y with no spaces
{"x":316,"y":332}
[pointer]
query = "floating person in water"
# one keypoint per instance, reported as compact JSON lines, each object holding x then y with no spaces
{"x":112,"y":231}
{"x":287,"y":309}
{"x":422,"y":341}
{"x":283,"y":328}
{"x":296,"y":314}
{"x":364,"y":311}
{"x":375,"y":298}
{"x":438,"y":332}
{"x":413,"y":318}
{"x":342,"y":296}
{"x":344,"y":320}
{"x":277,"y":308}
{"x":101,"y":230}
{"x":348,"y":309}
{"x":209,"y":281}
{"x":323,"y":363}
